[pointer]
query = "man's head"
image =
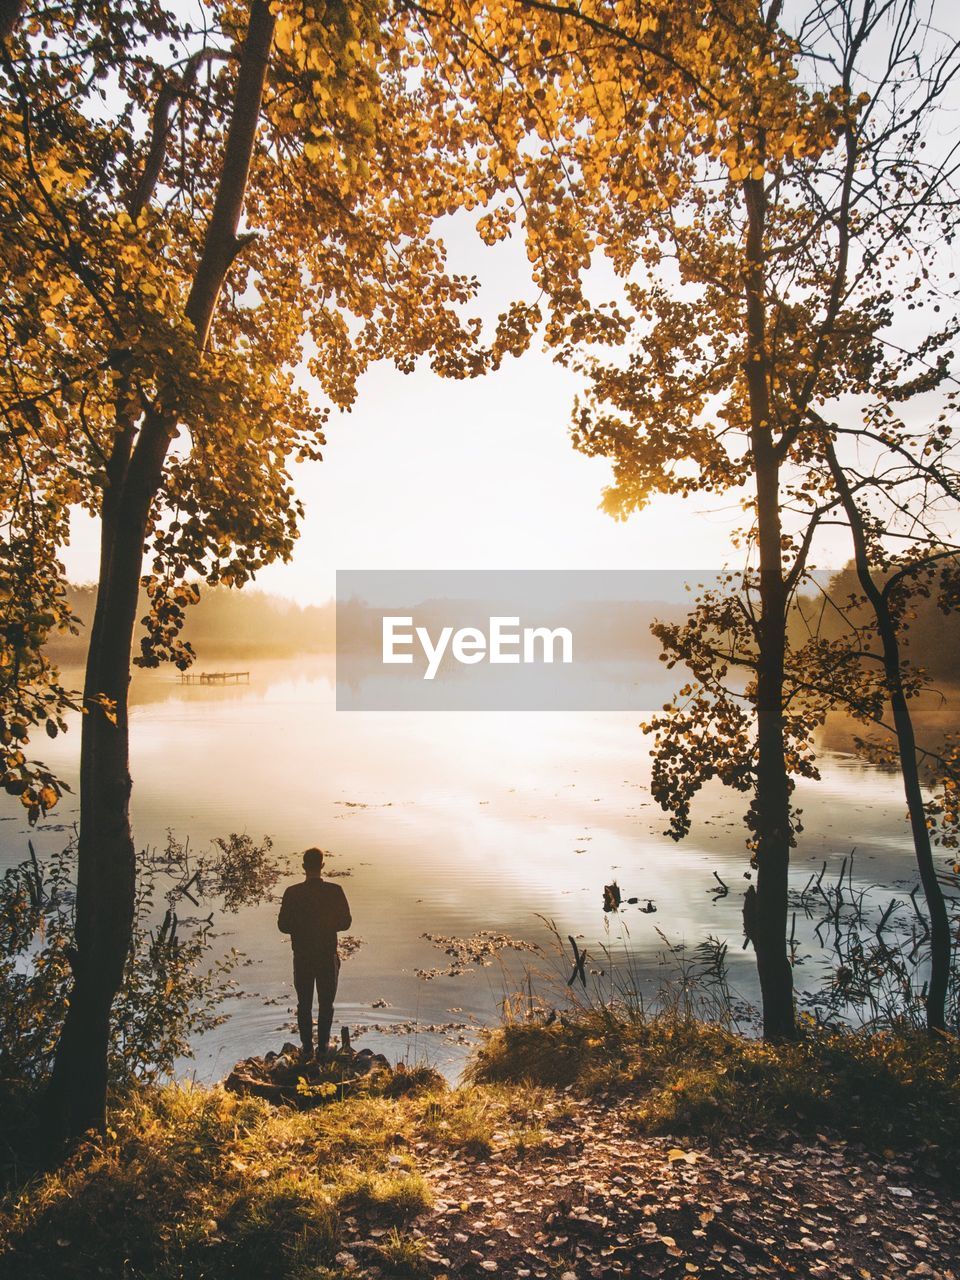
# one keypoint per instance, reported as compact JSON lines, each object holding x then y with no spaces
{"x":313,"y":861}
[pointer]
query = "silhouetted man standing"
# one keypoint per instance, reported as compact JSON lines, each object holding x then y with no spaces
{"x":313,"y":913}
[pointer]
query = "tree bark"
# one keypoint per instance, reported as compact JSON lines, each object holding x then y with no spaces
{"x":106,"y":858}
{"x":772,"y":799}
{"x":936,"y":1001}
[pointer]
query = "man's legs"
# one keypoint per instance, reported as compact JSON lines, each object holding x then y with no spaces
{"x":328,"y":974}
{"x":304,"y":974}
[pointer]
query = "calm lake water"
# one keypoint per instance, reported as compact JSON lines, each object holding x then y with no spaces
{"x":449,"y":824}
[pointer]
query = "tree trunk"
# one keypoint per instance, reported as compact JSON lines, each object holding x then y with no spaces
{"x":106,"y":860}
{"x":772,"y":801}
{"x":771,"y":810}
{"x":936,"y":1001}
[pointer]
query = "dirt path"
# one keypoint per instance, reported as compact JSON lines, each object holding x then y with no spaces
{"x":593,"y":1199}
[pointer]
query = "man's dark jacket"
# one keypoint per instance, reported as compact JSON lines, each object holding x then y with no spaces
{"x":313,"y":912}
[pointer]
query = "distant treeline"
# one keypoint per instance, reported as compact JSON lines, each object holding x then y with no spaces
{"x":227,"y":622}
{"x":930,"y":638}
{"x":224,"y":622}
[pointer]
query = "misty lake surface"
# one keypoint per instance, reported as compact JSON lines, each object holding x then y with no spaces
{"x":448,"y":824}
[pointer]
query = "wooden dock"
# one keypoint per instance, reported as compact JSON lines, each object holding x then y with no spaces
{"x":214,"y":677}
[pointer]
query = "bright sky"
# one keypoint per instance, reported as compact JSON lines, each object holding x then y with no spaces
{"x":429,"y":473}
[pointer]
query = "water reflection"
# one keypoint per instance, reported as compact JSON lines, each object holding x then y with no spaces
{"x":449,"y":823}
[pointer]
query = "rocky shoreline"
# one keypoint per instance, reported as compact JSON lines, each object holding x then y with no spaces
{"x":284,"y":1078}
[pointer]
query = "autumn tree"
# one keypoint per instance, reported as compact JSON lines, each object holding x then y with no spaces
{"x":835,"y":234}
{"x":827,"y":240}
{"x":192,"y":218}
{"x":755,"y":175}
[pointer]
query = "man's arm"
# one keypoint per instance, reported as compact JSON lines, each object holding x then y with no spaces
{"x":284,"y":922}
{"x":342,"y":917}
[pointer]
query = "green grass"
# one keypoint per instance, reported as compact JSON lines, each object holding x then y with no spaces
{"x":393,"y":1196}
{"x":403,"y":1256}
{"x":197,"y":1182}
{"x":677,"y":1076}
{"x":192,"y":1183}
{"x":476,"y":1119}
